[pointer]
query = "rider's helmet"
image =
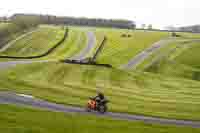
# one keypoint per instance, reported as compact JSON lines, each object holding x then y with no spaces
{"x":100,"y":94}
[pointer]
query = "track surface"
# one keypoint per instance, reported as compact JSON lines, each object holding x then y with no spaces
{"x":4,"y":65}
{"x":90,"y":45}
{"x":144,"y":54}
{"x":23,"y":100}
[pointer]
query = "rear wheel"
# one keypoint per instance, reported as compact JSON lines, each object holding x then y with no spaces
{"x":88,"y":109}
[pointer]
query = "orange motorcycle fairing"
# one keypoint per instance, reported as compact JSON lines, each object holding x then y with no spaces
{"x":92,"y":104}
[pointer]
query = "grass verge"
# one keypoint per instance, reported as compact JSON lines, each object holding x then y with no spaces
{"x":138,"y":93}
{"x":27,"y":120}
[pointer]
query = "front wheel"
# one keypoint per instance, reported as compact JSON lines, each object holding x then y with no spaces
{"x":102,"y":109}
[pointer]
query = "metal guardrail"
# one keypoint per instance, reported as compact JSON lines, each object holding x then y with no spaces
{"x":90,"y":61}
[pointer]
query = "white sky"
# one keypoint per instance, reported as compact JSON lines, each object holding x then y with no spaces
{"x":160,"y":13}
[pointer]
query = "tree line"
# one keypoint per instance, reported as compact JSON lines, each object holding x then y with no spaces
{"x":50,"y":19}
{"x":18,"y":23}
{"x":193,"y":28}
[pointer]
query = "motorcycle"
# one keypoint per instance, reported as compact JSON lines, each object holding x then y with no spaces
{"x":93,"y":105}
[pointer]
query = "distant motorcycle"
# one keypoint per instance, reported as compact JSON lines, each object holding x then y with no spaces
{"x":93,"y":105}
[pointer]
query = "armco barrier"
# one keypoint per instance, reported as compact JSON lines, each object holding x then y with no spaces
{"x":79,"y":62}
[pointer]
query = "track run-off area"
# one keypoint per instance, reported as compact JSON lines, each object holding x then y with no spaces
{"x":26,"y":100}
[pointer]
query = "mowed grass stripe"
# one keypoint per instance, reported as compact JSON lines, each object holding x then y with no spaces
{"x":36,"y":43}
{"x":12,"y":120}
{"x":190,"y":56}
{"x":134,"y":93}
{"x":119,"y":50}
{"x":183,"y":62}
{"x":74,"y":43}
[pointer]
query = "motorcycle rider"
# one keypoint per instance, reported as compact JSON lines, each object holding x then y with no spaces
{"x":97,"y":103}
{"x":99,"y":98}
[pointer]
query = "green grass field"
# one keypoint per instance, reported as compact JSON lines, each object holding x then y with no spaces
{"x":3,"y":25}
{"x":189,"y":35}
{"x":12,"y":31}
{"x":12,"y":120}
{"x":74,"y":43}
{"x":137,"y":93}
{"x":119,"y":50}
{"x":163,"y":52}
{"x":184,"y":62}
{"x":173,"y":69}
{"x":166,"y":90}
{"x":36,"y":43}
{"x":190,"y":56}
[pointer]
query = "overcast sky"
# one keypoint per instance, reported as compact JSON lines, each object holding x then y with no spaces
{"x":160,"y":13}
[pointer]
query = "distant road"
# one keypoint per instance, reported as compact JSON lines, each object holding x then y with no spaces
{"x":26,"y":100}
{"x":139,"y":58}
{"x":7,"y":64}
{"x":145,"y":53}
{"x":90,"y":45}
{"x":6,"y":46}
